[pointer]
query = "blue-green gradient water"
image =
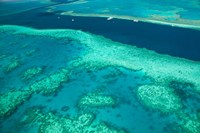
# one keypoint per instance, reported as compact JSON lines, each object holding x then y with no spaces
{"x":109,"y":58}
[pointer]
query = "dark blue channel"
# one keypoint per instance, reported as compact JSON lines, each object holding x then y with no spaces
{"x":179,"y":42}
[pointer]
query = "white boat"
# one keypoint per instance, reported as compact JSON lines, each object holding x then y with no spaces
{"x":109,"y":18}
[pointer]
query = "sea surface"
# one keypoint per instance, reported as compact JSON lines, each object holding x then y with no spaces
{"x":80,"y":67}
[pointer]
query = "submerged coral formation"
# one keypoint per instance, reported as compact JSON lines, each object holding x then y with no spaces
{"x":31,"y":72}
{"x":104,"y":128}
{"x":10,"y":100}
{"x":83,"y":123}
{"x":31,"y":52}
{"x":189,"y":125}
{"x":53,"y":123}
{"x":100,"y":53}
{"x":3,"y":56}
{"x":158,"y":97}
{"x":51,"y":83}
{"x":97,"y":100}
{"x":14,"y":63}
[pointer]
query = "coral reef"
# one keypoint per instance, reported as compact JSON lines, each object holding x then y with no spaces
{"x":189,"y":124}
{"x":10,"y":100}
{"x":159,"y":97}
{"x":3,"y":56}
{"x":30,"y":52}
{"x":31,"y":72}
{"x":104,"y":128}
{"x":100,"y":53}
{"x":13,"y":64}
{"x":51,"y":83}
{"x":96,"y":100}
{"x":83,"y":123}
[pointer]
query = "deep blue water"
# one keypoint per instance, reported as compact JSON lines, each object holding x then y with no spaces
{"x":180,"y":42}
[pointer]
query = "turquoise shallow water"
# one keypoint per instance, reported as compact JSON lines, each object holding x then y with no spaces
{"x":61,"y":79}
{"x":163,"y":12}
{"x":57,"y":55}
{"x":51,"y":54}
